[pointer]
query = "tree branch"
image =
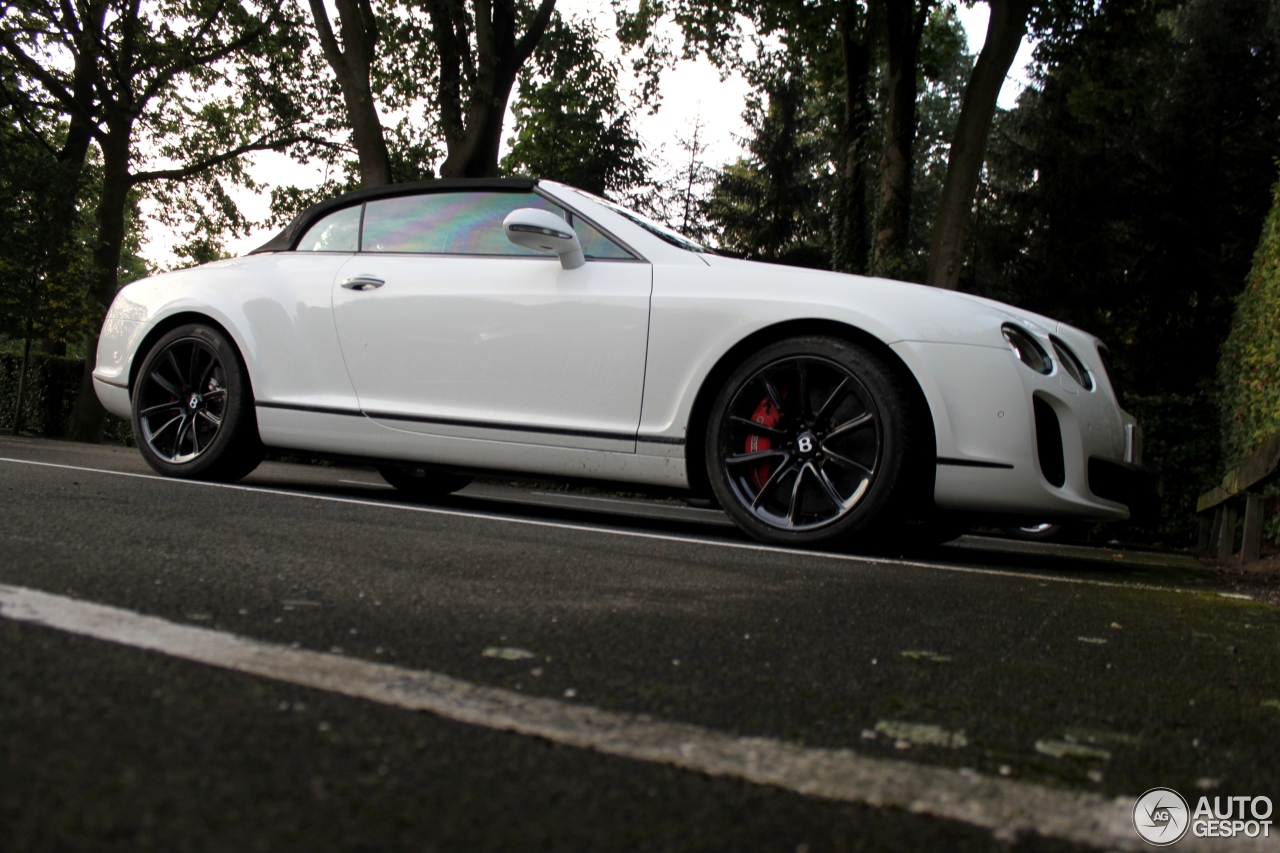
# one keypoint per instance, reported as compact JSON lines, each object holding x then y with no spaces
{"x":51,"y":84}
{"x":328,"y":44}
{"x":529,"y":41}
{"x":190,"y":60}
{"x":189,"y":171}
{"x":24,"y":121}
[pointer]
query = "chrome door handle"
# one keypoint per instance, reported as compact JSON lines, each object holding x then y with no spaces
{"x":363,"y":282}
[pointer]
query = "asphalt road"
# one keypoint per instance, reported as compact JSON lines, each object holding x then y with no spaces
{"x":1067,"y":669}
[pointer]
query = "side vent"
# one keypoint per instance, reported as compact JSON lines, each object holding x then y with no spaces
{"x":1049,"y":443}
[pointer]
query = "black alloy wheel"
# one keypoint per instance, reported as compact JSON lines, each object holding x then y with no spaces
{"x":192,"y":409}
{"x":807,"y":442}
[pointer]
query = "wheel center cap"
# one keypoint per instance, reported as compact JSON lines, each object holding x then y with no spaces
{"x":194,"y":402}
{"x":806,"y":443}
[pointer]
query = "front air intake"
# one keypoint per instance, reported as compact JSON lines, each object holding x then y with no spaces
{"x":1049,"y":443}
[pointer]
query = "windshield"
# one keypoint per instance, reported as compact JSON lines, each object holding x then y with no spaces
{"x":662,"y":232}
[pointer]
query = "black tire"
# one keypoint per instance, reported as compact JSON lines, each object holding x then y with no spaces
{"x":423,"y":483}
{"x":193,"y":414}
{"x":814,"y":441}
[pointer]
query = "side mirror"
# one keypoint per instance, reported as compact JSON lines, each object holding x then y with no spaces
{"x":543,"y":231}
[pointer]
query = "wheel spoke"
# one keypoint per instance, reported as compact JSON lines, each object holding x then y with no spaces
{"x":164,"y":383}
{"x":846,"y":462}
{"x":774,"y":396}
{"x":804,"y":393}
{"x":177,"y":444}
{"x":194,"y":429}
{"x":192,"y":372}
{"x":771,"y":484}
{"x":173,"y":360}
{"x":793,"y":510}
{"x":212,"y":365}
{"x":837,"y":395}
{"x":171,"y":406}
{"x":757,"y":456}
{"x":759,"y":429}
{"x":175,"y":419}
{"x":210,"y":417}
{"x":830,"y":488}
{"x":849,"y":426}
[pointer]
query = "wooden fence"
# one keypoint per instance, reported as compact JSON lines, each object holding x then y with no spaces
{"x":1240,"y":489}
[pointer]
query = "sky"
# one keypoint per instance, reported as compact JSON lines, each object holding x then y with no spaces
{"x":692,"y":91}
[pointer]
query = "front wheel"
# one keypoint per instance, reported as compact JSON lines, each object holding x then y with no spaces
{"x":812,"y":441}
{"x":193,"y":413}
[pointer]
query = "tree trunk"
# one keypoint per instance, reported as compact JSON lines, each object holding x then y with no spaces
{"x":476,"y":154}
{"x":366,"y":132}
{"x":904,"y":25}
{"x":968,"y":147}
{"x":351,"y":63}
{"x":851,"y":248}
{"x":473,"y":141}
{"x":22,"y":374}
{"x":88,"y":418}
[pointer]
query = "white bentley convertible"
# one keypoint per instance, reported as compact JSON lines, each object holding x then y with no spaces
{"x":452,"y":327}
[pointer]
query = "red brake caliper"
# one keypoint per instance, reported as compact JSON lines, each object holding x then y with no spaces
{"x":766,"y":415}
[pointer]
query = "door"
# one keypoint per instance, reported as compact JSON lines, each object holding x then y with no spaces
{"x":450,"y":329}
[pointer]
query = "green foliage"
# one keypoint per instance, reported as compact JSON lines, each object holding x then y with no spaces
{"x":44,"y":255}
{"x":800,"y":160}
{"x":770,"y":204}
{"x":52,"y":382}
{"x":571,"y":122}
{"x":1249,"y":371}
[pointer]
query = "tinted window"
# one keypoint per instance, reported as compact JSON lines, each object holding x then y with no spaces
{"x":595,"y":244}
{"x":462,"y":223}
{"x":337,"y":232}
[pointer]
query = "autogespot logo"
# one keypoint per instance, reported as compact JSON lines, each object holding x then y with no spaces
{"x":1160,"y":816}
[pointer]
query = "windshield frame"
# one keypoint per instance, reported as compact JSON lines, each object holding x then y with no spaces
{"x":662,"y":232}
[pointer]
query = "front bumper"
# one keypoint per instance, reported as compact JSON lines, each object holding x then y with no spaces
{"x":994,"y":420}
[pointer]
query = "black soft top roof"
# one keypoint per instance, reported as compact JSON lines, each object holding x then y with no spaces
{"x":288,"y":238}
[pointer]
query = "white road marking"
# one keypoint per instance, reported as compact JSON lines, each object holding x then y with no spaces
{"x":612,"y":531}
{"x":1007,"y":808}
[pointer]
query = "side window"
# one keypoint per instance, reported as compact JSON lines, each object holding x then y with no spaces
{"x":463,"y":223}
{"x":337,"y":232}
{"x":595,"y":244}
{"x":457,"y":223}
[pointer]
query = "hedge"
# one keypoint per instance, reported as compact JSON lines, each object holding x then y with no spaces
{"x":52,"y":383}
{"x":1249,"y":371}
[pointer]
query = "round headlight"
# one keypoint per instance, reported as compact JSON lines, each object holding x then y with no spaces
{"x":1027,"y":349}
{"x":1072,"y":364}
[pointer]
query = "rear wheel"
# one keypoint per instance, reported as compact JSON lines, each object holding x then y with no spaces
{"x":812,"y":441}
{"x":193,"y":413}
{"x":422,"y":483}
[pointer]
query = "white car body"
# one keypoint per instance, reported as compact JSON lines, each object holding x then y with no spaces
{"x":516,"y":364}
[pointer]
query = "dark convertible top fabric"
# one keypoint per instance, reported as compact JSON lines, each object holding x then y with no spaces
{"x":288,"y":238}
